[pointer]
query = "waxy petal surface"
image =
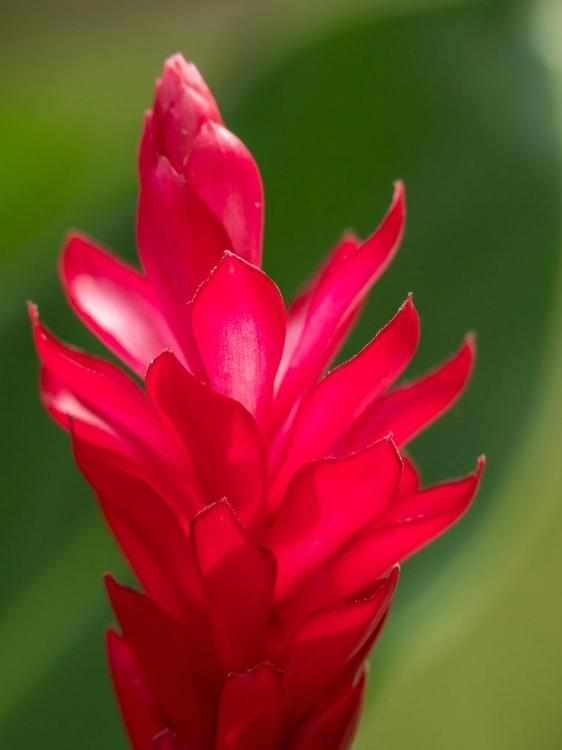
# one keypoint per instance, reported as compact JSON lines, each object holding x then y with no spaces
{"x":225,"y":176}
{"x":410,"y":479}
{"x":238,"y":576}
{"x":338,"y":631}
{"x":220,"y":435}
{"x":187,"y":129}
{"x":110,"y":395}
{"x":333,"y":723}
{"x":250,"y":710}
{"x":180,"y":241}
{"x":327,"y":503}
{"x":67,"y":409}
{"x":238,"y":321}
{"x":182,"y":104}
{"x":116,"y":302}
{"x":174,"y":665}
{"x":141,"y":714}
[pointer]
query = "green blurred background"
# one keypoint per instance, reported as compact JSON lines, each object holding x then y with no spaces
{"x":336,"y":99}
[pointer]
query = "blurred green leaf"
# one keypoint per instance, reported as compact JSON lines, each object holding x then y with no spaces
{"x":454,"y":101}
{"x":34,"y":160}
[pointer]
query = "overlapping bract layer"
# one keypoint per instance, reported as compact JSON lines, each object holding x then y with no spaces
{"x":262,"y":504}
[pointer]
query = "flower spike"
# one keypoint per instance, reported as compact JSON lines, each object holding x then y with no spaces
{"x":263,"y":505}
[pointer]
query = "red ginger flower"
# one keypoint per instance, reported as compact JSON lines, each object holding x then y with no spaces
{"x":262,"y":505}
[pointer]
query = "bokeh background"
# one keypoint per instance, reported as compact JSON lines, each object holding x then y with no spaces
{"x":336,"y":99}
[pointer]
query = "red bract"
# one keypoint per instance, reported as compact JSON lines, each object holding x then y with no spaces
{"x":262,"y":504}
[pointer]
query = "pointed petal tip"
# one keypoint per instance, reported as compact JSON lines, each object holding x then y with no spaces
{"x":388,"y":587}
{"x":477,"y":476}
{"x":231,"y":261}
{"x":349,"y":235}
{"x":213,"y":508}
{"x":114,"y":641}
{"x":241,"y":362}
{"x":159,"y":361}
{"x":468,"y":350}
{"x":178,"y":70}
{"x":226,"y":260}
{"x":77,"y":240}
{"x":115,"y":589}
{"x":392,"y":579}
{"x":393,"y":451}
{"x":265,"y":666}
{"x":473,"y":483}
{"x":399,"y":197}
{"x":463,"y":360}
{"x":33,"y":311}
{"x":75,"y":235}
{"x":177,"y":63}
{"x":71,"y":239}
{"x":155,"y":359}
{"x":389,"y":438}
{"x":121,"y":595}
{"x":408,"y":308}
{"x":176,"y":66}
{"x":234,"y":259}
{"x":398,"y":203}
{"x":470,"y":480}
{"x":40,"y":333}
{"x":45,"y":341}
{"x":176,"y":58}
{"x":480,"y":466}
{"x":390,"y":231}
{"x":218,"y":509}
{"x":470,"y":342}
